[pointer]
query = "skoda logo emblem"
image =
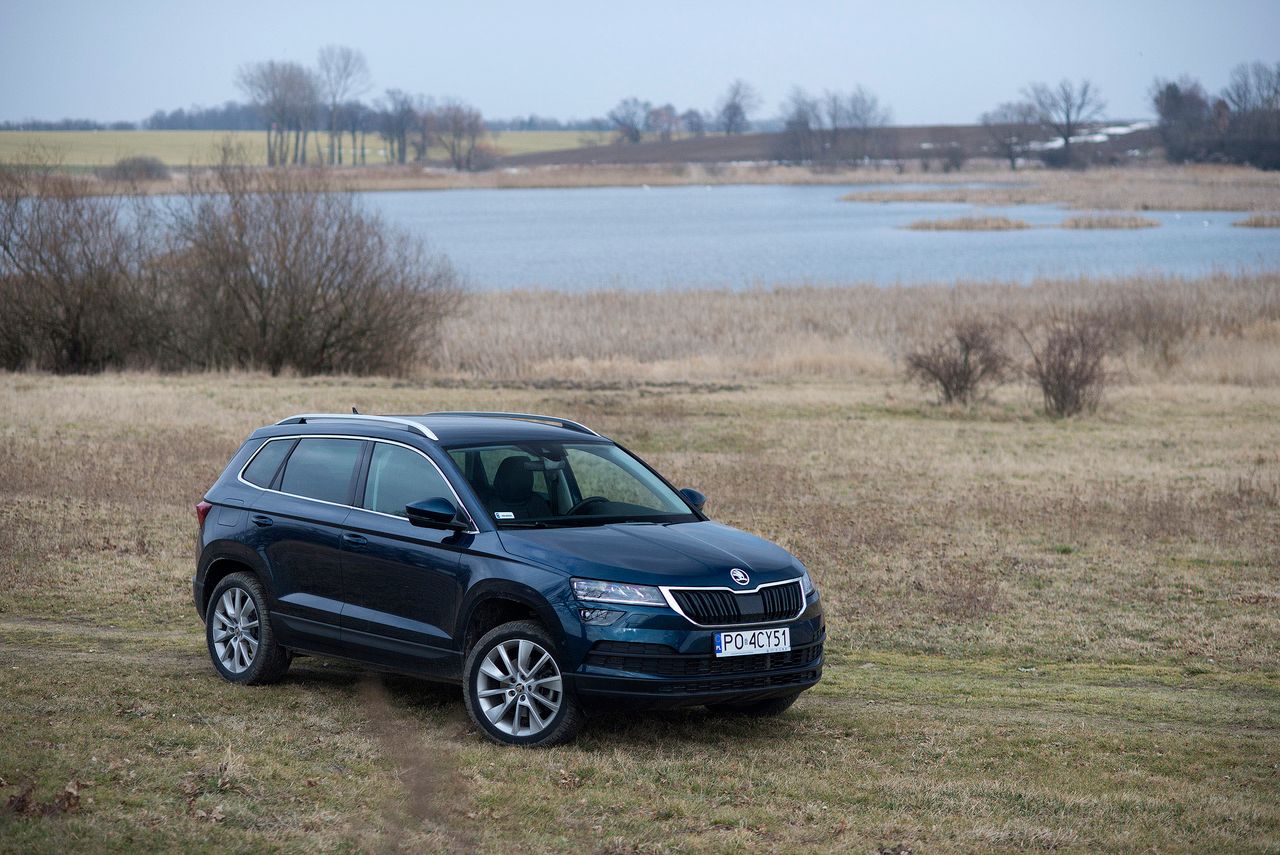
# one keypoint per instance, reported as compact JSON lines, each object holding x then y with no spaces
{"x":739,"y":576}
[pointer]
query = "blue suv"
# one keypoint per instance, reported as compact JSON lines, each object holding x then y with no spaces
{"x":537,"y":563}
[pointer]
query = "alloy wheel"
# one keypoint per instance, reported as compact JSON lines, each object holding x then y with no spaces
{"x":519,"y":687}
{"x":236,"y":631}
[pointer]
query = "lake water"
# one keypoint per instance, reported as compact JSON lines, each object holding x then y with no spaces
{"x":744,"y":236}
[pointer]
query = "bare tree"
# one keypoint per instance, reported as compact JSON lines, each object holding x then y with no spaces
{"x":663,"y":121}
{"x":76,"y":273}
{"x":396,"y":119}
{"x":287,"y":95}
{"x":733,"y":114}
{"x":1185,"y":118}
{"x":1251,"y":115}
{"x":1066,"y":109}
{"x":802,"y":130}
{"x":357,"y":120}
{"x":833,"y":109}
{"x":343,"y":74}
{"x":1010,"y":127}
{"x":866,"y":116}
{"x":284,"y":270}
{"x":266,"y":85}
{"x":1253,"y":87}
{"x":628,"y":118}
{"x":694,"y":122}
{"x":459,"y":128}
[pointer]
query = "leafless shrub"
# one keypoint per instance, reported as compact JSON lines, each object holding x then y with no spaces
{"x":970,"y":358}
{"x":1067,"y":360}
{"x":1158,"y":323}
{"x":78,"y":294}
{"x":282,"y":270}
{"x":130,"y":169}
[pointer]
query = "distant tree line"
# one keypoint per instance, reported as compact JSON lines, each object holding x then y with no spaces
{"x":1240,"y":125}
{"x":67,"y":125}
{"x":834,"y":127}
{"x":632,"y":118}
{"x":315,"y":115}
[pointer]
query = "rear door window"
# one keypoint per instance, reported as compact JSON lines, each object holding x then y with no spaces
{"x":322,"y":469}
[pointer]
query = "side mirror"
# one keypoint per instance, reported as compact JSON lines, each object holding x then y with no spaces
{"x":436,"y":512}
{"x":693,"y":497}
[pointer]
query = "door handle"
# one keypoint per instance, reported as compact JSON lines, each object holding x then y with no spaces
{"x":355,"y":539}
{"x":260,"y":519}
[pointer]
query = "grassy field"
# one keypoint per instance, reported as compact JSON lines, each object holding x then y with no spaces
{"x":200,"y":148}
{"x":1043,"y":634}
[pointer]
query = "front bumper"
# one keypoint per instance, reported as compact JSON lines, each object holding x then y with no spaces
{"x":650,"y":660}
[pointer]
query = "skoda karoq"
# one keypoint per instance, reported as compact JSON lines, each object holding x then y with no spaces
{"x":540,"y":565}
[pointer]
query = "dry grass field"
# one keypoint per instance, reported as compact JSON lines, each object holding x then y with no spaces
{"x":201,"y":148}
{"x":1043,"y":634}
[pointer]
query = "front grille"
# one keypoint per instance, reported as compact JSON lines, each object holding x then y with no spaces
{"x":662,"y":661}
{"x":716,"y":607}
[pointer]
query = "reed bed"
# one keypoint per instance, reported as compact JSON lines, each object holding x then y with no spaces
{"x":970,"y":224}
{"x":1260,"y":221}
{"x":1109,"y":221}
{"x":1189,"y":188}
{"x":1224,"y":327}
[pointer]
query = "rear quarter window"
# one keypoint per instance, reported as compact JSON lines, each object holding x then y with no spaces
{"x":261,"y":471}
{"x":322,"y":469}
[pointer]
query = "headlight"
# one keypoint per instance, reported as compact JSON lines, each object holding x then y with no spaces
{"x":805,"y":582}
{"x":617,"y":592}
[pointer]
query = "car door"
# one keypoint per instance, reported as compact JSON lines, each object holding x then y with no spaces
{"x":402,"y":582}
{"x":298,"y":522}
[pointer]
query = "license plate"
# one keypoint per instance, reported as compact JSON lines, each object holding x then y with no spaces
{"x":752,"y":642}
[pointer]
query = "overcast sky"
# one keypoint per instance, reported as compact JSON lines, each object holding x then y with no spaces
{"x":931,"y":62}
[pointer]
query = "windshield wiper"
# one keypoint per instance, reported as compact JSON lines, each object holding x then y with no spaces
{"x":526,"y":524}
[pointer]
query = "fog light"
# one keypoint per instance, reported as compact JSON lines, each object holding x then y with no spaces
{"x":598,"y":617}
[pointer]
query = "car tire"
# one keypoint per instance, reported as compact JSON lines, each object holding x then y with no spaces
{"x":515,"y":690}
{"x":238,"y":633}
{"x":757,"y":709}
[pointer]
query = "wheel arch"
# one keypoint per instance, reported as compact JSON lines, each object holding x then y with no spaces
{"x":496,"y":602}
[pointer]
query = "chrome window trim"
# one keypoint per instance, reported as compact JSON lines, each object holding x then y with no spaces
{"x":671,"y":601}
{"x":474,"y":529}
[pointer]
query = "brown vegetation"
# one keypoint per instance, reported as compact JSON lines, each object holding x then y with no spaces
{"x":1215,"y":328}
{"x":1109,"y":221}
{"x":251,"y":269}
{"x":970,"y":358}
{"x":1068,"y":360}
{"x":969,"y":224}
{"x":1260,"y":221}
{"x":1187,"y":188}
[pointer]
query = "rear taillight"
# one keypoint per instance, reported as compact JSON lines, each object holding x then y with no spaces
{"x":202,"y":511}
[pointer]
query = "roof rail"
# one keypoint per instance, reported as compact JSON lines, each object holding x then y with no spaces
{"x":408,"y":424}
{"x":567,"y":424}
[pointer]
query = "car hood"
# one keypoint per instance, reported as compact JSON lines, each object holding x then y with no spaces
{"x":698,"y":553}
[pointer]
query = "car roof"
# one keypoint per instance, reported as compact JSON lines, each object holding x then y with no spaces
{"x":449,"y":429}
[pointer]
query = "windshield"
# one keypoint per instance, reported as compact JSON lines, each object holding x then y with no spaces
{"x":544,"y":484}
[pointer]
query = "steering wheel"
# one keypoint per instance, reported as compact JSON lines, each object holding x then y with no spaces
{"x":589,"y":500}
